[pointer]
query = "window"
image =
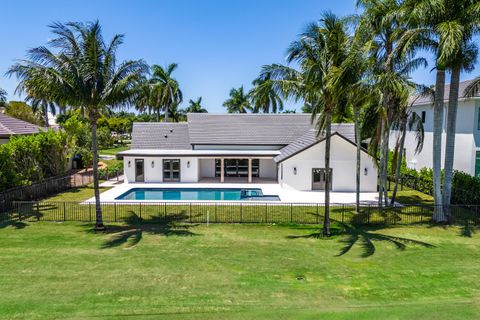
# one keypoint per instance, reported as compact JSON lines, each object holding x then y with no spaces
{"x":478,"y":119}
{"x":424,"y":115}
{"x":477,"y":164}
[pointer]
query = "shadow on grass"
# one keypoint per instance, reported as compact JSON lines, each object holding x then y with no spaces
{"x":131,"y":232}
{"x":363,"y":236}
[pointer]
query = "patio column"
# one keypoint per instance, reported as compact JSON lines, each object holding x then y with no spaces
{"x":222,"y":170}
{"x":249,"y":170}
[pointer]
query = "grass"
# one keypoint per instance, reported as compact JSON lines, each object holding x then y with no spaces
{"x":113,"y":151}
{"x":63,"y":270}
{"x":75,"y":194}
{"x":409,"y":196}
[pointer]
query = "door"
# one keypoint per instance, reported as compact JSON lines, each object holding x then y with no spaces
{"x":171,"y":170}
{"x":139,"y":171}
{"x":319,"y":179}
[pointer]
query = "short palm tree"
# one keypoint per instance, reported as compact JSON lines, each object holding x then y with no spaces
{"x":263,"y":96}
{"x":3,"y":97}
{"x":195,"y":106}
{"x":164,"y":89}
{"x":238,"y":102}
{"x":42,"y":106}
{"x":80,"y":70}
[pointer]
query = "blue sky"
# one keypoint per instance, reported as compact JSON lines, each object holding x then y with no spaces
{"x":217,"y":44}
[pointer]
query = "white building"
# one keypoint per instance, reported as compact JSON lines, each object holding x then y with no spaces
{"x":275,"y":148}
{"x":467,"y":138}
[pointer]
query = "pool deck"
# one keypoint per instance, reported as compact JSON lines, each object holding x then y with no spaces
{"x":286,"y":194}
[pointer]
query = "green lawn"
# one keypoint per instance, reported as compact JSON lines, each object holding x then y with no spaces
{"x":63,"y":270}
{"x":75,"y":194}
{"x":113,"y":151}
{"x":410,"y":196}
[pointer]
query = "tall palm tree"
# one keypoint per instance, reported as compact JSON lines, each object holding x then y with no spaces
{"x":264,"y":98}
{"x":195,"y":106}
{"x":165,"y":89}
{"x":319,"y":52}
{"x":464,"y":18}
{"x":238,"y":102}
{"x":392,"y":63}
{"x":176,"y":114}
{"x":79,"y":69}
{"x":43,"y":106}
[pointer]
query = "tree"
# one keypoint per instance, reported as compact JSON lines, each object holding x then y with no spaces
{"x":320,"y":53}
{"x":3,"y":97}
{"x":177,"y":114}
{"x":238,"y":102}
{"x":22,"y":111}
{"x":79,"y":69}
{"x":165,"y":90}
{"x":42,"y":106}
{"x":263,"y":96}
{"x":464,"y":20}
{"x":195,"y":106}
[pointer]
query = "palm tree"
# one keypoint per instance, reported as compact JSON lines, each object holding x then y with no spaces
{"x":3,"y":97}
{"x":319,"y":52}
{"x":80,"y":70}
{"x":464,"y":18}
{"x":264,"y":98}
{"x":391,"y":65}
{"x":238,"y":102}
{"x":195,"y":106}
{"x":165,"y":90}
{"x":176,"y":114}
{"x":43,"y":106}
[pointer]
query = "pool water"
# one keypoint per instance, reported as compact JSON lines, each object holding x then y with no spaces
{"x":230,"y":194}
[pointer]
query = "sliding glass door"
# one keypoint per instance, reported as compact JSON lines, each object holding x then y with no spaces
{"x":171,"y":170}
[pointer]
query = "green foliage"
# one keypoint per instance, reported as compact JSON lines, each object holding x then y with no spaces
{"x":112,"y":168}
{"x":22,"y":111}
{"x":465,"y":188}
{"x":27,"y":159}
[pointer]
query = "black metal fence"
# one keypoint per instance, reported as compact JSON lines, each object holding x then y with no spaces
{"x":233,"y":212}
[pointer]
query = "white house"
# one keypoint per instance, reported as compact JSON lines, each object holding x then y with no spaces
{"x":270,"y":148}
{"x":467,"y":138}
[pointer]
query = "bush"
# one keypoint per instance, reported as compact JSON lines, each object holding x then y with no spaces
{"x":27,"y":159}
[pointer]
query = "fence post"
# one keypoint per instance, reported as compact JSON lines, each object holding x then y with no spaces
{"x":241,"y":212}
{"x":38,"y":211}
{"x":140,"y":213}
{"x":291,"y":215}
{"x":266,"y":212}
{"x":115,"y":211}
{"x":64,"y":212}
{"x":216,"y":213}
{"x":318,"y":216}
{"x":90,"y":211}
{"x":190,"y":212}
{"x":343,"y":211}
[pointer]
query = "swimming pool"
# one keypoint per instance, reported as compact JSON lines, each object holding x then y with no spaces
{"x":198,"y":194}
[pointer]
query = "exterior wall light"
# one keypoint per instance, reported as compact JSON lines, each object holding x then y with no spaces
{"x":365,"y":171}
{"x":188,"y":164}
{"x":153,"y":164}
{"x":294,"y":170}
{"x":129,"y":163}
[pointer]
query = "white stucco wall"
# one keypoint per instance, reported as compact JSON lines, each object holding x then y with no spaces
{"x":465,"y":144}
{"x":268,"y":169}
{"x":207,"y":168}
{"x":342,"y":162}
{"x":188,"y":173}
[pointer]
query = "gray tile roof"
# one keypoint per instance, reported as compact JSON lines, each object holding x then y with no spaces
{"x":461,"y":93}
{"x":310,"y":138}
{"x":11,"y":126}
{"x":247,"y":129}
{"x":160,"y":135}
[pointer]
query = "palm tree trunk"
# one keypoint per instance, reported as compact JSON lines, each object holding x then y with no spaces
{"x":380,"y":176}
{"x":450,"y":145}
{"x":438,"y":215}
{"x":359,"y":146}
{"x":166,"y":113}
{"x":326,"y":221}
{"x":399,"y":160}
{"x":45,"y":115}
{"x":98,"y":208}
{"x":385,"y":138}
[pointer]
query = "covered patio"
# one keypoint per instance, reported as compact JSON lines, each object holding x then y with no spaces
{"x":237,"y":170}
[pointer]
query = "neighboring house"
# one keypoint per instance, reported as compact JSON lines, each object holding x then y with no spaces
{"x":467,"y":138}
{"x":280,"y":148}
{"x":10,"y":127}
